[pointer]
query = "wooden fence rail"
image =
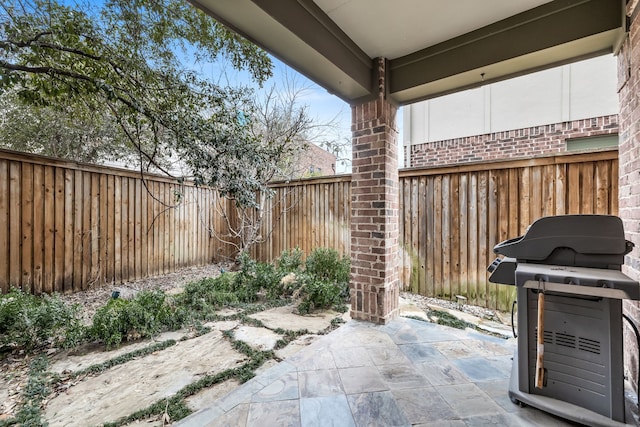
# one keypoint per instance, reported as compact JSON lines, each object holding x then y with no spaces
{"x":64,"y":226}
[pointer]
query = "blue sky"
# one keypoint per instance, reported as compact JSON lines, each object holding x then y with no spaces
{"x":323,"y":108}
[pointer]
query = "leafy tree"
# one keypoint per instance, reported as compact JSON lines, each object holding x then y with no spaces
{"x":68,"y":131}
{"x":279,"y":125}
{"x":126,"y":60}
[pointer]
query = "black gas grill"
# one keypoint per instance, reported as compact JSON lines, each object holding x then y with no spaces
{"x":569,"y":283}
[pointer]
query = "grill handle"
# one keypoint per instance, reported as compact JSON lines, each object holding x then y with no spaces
{"x":540,"y":347}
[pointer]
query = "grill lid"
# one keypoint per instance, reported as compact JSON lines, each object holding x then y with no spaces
{"x":595,"y":241}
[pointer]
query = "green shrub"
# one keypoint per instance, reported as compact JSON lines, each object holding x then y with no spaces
{"x":325,"y":282}
{"x":290,"y":261}
{"x":254,"y":277}
{"x":33,"y":321}
{"x":317,"y":295}
{"x":247,"y":283}
{"x":267,"y":279}
{"x":206,"y":295}
{"x":142,"y":317}
{"x":327,"y":265}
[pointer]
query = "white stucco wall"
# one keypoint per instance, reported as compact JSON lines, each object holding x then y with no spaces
{"x":571,"y":92}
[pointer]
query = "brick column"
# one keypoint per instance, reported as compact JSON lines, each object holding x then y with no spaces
{"x":629,"y":169}
{"x":374,"y":208}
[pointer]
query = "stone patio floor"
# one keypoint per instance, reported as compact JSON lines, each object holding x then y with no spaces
{"x":405,"y":373}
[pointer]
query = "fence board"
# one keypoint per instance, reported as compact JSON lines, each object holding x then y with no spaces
{"x":38,"y":228}
{"x":27,"y":228}
{"x":4,"y":226}
{"x":69,"y":177}
{"x":48,"y":263}
{"x":15,"y":231}
{"x":85,"y":232}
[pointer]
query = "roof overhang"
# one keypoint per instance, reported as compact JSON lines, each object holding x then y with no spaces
{"x":327,"y":41}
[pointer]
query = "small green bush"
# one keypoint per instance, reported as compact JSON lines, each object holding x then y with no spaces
{"x":255,"y":277}
{"x":33,"y":321}
{"x":326,"y":264}
{"x":290,"y":261}
{"x":206,"y":295}
{"x":325,"y":282}
{"x":317,"y":294}
{"x":142,"y":317}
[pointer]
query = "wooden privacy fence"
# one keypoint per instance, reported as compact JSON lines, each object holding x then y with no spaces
{"x":66,"y":226}
{"x":450,"y":217}
{"x":309,"y":213}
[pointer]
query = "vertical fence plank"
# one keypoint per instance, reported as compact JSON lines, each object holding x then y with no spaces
{"x":586,"y":183}
{"x":164,"y":228}
{"x":464,"y":234}
{"x":425,"y":236}
{"x":86,"y":229}
{"x":455,"y":229}
{"x":493,"y":225}
{"x":504,"y":190}
{"x":27,"y":227}
{"x":15,"y":223}
{"x":118,"y":209}
{"x":548,"y":190}
{"x":472,"y":285}
{"x":524,"y":191}
{"x":4,"y":226}
{"x":614,"y":197}
{"x":94,"y":271}
{"x":483,"y":229}
{"x":110,"y":255}
{"x":103,"y":218}
{"x":131,"y":233}
{"x":124,"y":228}
{"x":535,"y":193}
{"x":77,"y":230}
{"x":38,"y":228}
{"x":436,"y":237}
{"x":69,"y":240}
{"x":573,"y":186}
{"x":137,"y":229}
{"x":445,"y":247}
{"x":602,"y":187}
{"x":405,"y":234}
{"x":48,"y":260}
{"x":417,"y":262}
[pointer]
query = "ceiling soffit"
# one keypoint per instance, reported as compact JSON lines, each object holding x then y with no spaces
{"x":302,"y":35}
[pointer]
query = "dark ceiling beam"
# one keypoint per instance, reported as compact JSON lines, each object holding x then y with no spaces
{"x":308,"y":22}
{"x":544,"y":27}
{"x":301,"y":35}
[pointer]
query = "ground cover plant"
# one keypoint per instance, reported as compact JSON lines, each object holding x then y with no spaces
{"x":32,"y":322}
{"x":33,"y":325}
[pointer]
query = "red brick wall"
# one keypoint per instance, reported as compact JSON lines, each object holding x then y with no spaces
{"x":315,"y":161}
{"x":629,"y":95}
{"x":519,"y":143}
